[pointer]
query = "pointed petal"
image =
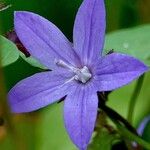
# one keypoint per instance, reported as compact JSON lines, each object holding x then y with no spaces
{"x":116,"y":70}
{"x":38,"y":91}
{"x":43,"y":39}
{"x":80,"y":110}
{"x":89,"y":29}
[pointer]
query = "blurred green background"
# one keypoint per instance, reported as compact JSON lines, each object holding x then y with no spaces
{"x":44,"y":129}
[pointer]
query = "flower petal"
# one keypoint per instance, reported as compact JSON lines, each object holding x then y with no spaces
{"x":80,"y":110}
{"x":143,"y":125}
{"x":38,"y":91}
{"x":43,"y":39}
{"x":89,"y":30}
{"x":116,"y":70}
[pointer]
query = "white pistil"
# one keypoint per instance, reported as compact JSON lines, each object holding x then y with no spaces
{"x":83,"y":75}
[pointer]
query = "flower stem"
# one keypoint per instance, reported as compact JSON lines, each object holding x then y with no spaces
{"x":132,"y":137}
{"x":114,"y":115}
{"x":134,"y":98}
{"x":129,"y":132}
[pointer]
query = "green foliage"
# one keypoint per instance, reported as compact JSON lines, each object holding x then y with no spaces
{"x":61,"y":13}
{"x":17,"y":71}
{"x":8,"y":51}
{"x":133,"y":41}
{"x":33,"y":62}
{"x":103,"y":140}
{"x":132,"y":137}
{"x":51,"y":133}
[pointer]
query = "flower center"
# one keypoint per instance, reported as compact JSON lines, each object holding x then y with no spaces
{"x":83,"y":75}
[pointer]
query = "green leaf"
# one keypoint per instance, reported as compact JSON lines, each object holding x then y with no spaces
{"x":133,"y":41}
{"x":51,"y":133}
{"x":103,"y":140}
{"x":132,"y":137}
{"x":46,"y":8}
{"x":33,"y":62}
{"x":18,"y":71}
{"x":8,"y":51}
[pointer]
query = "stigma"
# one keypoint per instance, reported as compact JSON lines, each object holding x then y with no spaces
{"x":81,"y":74}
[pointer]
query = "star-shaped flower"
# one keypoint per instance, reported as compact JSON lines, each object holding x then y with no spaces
{"x":79,"y":70}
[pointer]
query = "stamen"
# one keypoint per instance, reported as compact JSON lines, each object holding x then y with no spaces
{"x":82,"y":74}
{"x":63,"y":64}
{"x":73,"y":78}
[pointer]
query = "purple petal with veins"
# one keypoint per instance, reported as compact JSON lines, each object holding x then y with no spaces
{"x":79,"y":70}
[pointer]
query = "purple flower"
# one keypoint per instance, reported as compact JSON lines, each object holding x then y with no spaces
{"x":79,"y":70}
{"x":143,"y":125}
